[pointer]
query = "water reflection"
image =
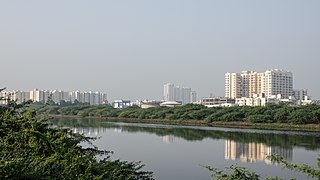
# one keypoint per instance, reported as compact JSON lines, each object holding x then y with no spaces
{"x":168,"y":139}
{"x":286,"y":140}
{"x":253,"y":152}
{"x":184,"y":148}
{"x":245,"y":152}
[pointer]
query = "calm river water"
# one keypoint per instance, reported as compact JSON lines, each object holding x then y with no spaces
{"x":179,"y":152}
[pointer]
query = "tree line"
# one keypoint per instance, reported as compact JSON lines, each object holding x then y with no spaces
{"x":271,"y":113}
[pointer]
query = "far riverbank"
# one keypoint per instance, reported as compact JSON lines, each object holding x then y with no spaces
{"x":242,"y":125}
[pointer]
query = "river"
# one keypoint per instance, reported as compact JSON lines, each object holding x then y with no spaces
{"x":180,"y":152}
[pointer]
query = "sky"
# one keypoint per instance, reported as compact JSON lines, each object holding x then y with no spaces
{"x":129,"y":49}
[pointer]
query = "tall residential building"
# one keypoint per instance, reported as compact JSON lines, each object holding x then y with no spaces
{"x":248,"y":83}
{"x":300,"y":94}
{"x":233,"y":85}
{"x":278,"y":81}
{"x":42,"y":96}
{"x":37,"y":95}
{"x":20,"y":96}
{"x":193,"y":96}
{"x":175,"y":93}
{"x":168,"y":92}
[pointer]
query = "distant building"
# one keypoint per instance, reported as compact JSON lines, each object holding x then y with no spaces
{"x":217,"y":101}
{"x":120,"y":104}
{"x":169,"y":92}
{"x":300,"y":94}
{"x":37,"y":96}
{"x":170,"y":104}
{"x":42,"y":96}
{"x":193,"y":96}
{"x":176,"y":93}
{"x":247,"y":83}
{"x":277,"y":82}
{"x":261,"y":100}
{"x":20,"y":96}
{"x":149,"y":104}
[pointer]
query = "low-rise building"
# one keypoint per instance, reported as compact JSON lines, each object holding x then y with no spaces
{"x":171,"y":104}
{"x":262,"y":100}
{"x":149,"y":104}
{"x":218,"y":102}
{"x":120,"y":104}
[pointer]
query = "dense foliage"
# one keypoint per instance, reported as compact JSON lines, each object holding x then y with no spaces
{"x":271,"y":113}
{"x":31,"y":149}
{"x":240,"y":173}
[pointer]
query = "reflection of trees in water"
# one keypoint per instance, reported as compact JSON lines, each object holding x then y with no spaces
{"x":286,"y":141}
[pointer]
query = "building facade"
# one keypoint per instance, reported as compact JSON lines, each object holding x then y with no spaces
{"x":300,"y":94}
{"x":57,"y":96}
{"x":180,"y":94}
{"x":248,"y":83}
{"x":217,"y":101}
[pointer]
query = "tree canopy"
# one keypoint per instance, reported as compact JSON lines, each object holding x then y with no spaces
{"x":31,"y":148}
{"x":271,"y":113}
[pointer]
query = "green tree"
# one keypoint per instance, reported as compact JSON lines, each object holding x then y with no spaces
{"x":233,"y":173}
{"x":31,"y":149}
{"x":241,"y":173}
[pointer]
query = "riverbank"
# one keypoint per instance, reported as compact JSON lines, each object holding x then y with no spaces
{"x":242,"y":125}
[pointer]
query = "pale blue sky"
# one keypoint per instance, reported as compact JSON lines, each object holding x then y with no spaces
{"x":130,"y":48}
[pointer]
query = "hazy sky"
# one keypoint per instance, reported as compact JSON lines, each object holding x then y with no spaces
{"x":130,"y":48}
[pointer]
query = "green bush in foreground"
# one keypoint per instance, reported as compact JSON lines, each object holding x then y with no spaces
{"x":240,"y":173}
{"x":30,"y":149}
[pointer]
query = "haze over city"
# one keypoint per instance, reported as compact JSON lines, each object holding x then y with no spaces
{"x":129,"y":49}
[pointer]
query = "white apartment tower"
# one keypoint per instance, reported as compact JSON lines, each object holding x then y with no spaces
{"x":175,"y":93}
{"x":168,"y":92}
{"x":248,"y":83}
{"x":278,"y":81}
{"x":37,"y":95}
{"x":42,"y":96}
{"x":233,"y":85}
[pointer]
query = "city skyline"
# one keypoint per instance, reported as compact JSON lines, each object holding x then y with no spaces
{"x":250,"y":84}
{"x":57,"y":96}
{"x":129,"y":49}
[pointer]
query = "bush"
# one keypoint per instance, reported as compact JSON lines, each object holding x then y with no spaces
{"x":258,"y":118}
{"x":31,"y":150}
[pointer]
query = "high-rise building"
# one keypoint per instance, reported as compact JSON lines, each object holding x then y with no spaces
{"x":19,"y":96}
{"x":248,"y":83}
{"x":37,"y":96}
{"x":42,"y":96}
{"x":233,"y":85}
{"x":181,"y":94}
{"x":193,"y":96}
{"x":300,"y":94}
{"x":168,"y":92}
{"x":278,"y":81}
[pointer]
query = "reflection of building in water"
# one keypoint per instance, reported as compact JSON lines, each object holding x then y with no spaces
{"x":252,"y":152}
{"x":167,"y":139}
{"x":118,"y":130}
{"x":89,"y":131}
